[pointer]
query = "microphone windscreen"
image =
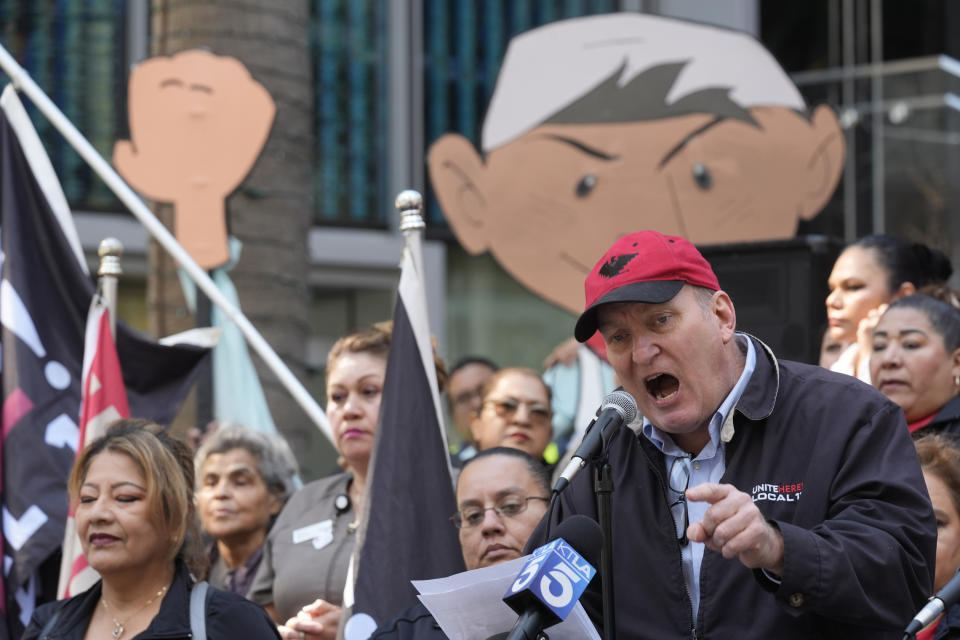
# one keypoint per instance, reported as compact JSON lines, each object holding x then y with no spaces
{"x":624,"y":401}
{"x":584,"y":535}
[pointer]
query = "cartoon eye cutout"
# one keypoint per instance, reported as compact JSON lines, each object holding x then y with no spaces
{"x":586,"y":185}
{"x":701,"y":175}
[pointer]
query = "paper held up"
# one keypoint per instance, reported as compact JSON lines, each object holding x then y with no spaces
{"x":469,"y":605}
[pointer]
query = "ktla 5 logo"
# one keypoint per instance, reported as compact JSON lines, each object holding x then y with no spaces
{"x":556,"y":574}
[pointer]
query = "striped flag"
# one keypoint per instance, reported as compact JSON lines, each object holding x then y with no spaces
{"x":104,"y":400}
{"x":405,"y":533}
{"x":45,"y":298}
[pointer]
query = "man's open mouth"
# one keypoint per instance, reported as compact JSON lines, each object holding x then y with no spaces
{"x":662,"y":386}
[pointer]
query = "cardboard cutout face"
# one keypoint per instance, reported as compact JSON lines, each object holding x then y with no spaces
{"x":197,"y":124}
{"x":549,"y":197}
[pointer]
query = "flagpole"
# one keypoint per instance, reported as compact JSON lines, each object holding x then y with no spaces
{"x":23,"y":82}
{"x":410,"y":205}
{"x":110,"y":250}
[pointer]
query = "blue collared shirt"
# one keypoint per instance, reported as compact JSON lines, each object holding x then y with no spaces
{"x":707,"y":466}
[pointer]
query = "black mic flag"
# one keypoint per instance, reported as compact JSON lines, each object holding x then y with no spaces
{"x":554,"y":577}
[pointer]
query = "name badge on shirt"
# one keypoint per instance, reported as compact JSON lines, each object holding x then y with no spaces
{"x":321,"y":534}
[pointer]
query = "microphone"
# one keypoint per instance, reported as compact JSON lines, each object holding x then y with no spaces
{"x":945,"y":598}
{"x":618,"y":408}
{"x":554,"y":577}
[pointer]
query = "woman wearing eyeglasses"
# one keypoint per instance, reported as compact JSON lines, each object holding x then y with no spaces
{"x":502,"y":493}
{"x":515,"y":412}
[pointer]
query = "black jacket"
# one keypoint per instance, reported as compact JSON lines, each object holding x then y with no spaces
{"x":947,"y":420}
{"x":229,"y":617}
{"x":414,"y":623}
{"x":830,"y":462}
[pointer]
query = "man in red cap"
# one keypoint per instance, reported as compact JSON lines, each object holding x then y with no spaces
{"x":753,"y":498}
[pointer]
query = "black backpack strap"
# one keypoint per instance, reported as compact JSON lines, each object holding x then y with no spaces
{"x":198,"y":610}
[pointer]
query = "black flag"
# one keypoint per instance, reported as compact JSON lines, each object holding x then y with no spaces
{"x":45,"y":296}
{"x":407,"y":534}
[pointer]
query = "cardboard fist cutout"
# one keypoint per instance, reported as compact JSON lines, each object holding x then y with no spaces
{"x":605,"y":125}
{"x":197,"y":124}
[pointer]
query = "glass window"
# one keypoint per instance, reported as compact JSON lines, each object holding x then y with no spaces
{"x":464,"y":43}
{"x":75,"y":51}
{"x":348,"y":42}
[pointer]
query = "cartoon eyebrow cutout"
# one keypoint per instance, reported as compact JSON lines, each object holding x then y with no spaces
{"x":692,"y":135}
{"x":582,"y":146}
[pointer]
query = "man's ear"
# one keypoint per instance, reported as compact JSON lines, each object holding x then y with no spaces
{"x":456,"y":173}
{"x":726,"y":315}
{"x":825,"y":163}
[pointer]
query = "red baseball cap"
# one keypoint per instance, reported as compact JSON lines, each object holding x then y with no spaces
{"x":645,"y":266}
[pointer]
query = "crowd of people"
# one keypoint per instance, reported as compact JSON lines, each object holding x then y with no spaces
{"x":802,"y":496}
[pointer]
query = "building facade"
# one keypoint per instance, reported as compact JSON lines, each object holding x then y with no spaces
{"x":365,"y":86}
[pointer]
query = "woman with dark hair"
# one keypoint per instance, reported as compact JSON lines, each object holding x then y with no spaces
{"x":868,"y":275}
{"x":308,"y":550}
{"x":514,"y":412}
{"x":244,"y":477}
{"x":940,"y":460}
{"x":916,"y":362}
{"x":132,"y":494}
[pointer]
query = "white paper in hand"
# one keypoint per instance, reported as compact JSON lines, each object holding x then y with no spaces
{"x":469,"y":605}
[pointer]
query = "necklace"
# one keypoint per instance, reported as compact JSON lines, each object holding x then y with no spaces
{"x":119,"y":627}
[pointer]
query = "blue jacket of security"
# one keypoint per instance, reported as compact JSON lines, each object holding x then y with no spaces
{"x":830,"y":462}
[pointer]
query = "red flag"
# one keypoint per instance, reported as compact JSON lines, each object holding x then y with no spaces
{"x":103,"y":400}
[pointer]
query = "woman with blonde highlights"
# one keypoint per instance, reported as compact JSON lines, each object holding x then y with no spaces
{"x":132,"y":495}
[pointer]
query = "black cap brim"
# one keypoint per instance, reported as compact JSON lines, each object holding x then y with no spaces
{"x":649,"y":292}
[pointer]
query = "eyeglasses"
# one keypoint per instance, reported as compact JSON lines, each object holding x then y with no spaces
{"x":510,"y":506}
{"x":679,"y":481}
{"x":507,"y":407}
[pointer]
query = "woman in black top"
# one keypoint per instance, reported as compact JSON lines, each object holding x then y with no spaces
{"x":132,"y":495}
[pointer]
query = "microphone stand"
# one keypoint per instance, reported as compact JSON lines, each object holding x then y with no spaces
{"x":603,"y":487}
